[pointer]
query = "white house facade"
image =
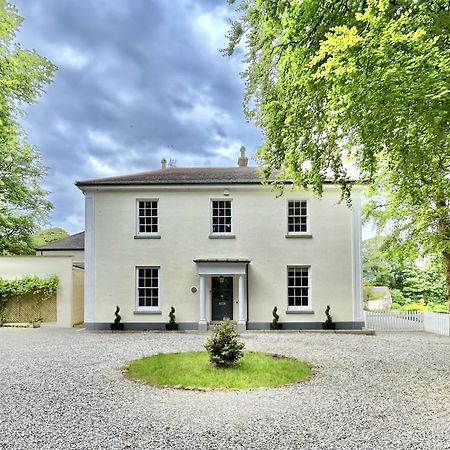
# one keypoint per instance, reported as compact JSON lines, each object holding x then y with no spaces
{"x":214,"y":243}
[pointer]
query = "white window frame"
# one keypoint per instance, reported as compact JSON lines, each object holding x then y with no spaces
{"x":220,"y":233}
{"x":299,"y":308}
{"x":298,"y":233}
{"x":147,"y":308}
{"x":144,"y":233}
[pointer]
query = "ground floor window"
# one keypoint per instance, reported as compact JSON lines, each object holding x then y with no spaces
{"x":298,"y":287}
{"x":147,"y":287}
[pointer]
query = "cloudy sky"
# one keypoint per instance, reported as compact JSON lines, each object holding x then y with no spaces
{"x":137,"y":80}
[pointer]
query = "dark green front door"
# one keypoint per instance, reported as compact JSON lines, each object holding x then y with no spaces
{"x":222,"y":297}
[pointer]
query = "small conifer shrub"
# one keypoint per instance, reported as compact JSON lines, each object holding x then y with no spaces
{"x":118,"y":316}
{"x":224,"y":347}
{"x":275,"y":325}
{"x":172,"y":325}
{"x":275,"y":315}
{"x":117,"y":325}
{"x":172,"y":315}
{"x":328,"y":324}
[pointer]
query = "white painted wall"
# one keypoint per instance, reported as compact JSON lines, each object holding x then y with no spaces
{"x":260,"y":226}
{"x":78,"y":255}
{"x":12,"y":267}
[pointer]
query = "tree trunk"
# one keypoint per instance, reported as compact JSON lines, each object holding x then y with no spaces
{"x":444,"y":231}
{"x":446,"y":256}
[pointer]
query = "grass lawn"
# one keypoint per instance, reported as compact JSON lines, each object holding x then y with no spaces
{"x":192,"y":369}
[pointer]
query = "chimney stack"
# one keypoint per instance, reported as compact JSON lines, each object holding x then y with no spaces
{"x":163,"y":163}
{"x":243,"y":160}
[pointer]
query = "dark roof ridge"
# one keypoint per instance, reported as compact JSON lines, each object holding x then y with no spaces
{"x":183,"y":175}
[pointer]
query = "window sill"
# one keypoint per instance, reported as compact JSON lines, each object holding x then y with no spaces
{"x":299,"y":311}
{"x":147,"y":236}
{"x":222,"y":236}
{"x":296,"y":236}
{"x":155,"y":312}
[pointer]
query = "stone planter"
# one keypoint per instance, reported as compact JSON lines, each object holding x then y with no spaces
{"x":171,"y":326}
{"x":117,"y":327}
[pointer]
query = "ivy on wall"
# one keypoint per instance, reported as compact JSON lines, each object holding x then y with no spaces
{"x":41,"y":288}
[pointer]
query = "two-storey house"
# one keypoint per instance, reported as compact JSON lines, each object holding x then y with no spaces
{"x":214,"y":243}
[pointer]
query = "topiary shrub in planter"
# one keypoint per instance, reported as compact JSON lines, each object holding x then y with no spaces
{"x":172,"y":325}
{"x":224,"y":347}
{"x":117,"y":326}
{"x":275,"y":325}
{"x":328,"y":324}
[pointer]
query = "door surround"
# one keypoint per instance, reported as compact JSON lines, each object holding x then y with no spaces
{"x":221,"y":267}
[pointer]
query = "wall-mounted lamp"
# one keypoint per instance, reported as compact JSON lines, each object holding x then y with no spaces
{"x":226,"y":192}
{"x":221,"y":279}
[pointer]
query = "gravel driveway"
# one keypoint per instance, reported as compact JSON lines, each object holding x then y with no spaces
{"x":63,"y":389}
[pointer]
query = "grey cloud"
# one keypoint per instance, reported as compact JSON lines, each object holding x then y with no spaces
{"x":137,"y":74}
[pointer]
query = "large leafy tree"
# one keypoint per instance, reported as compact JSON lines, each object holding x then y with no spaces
{"x":377,"y":269}
{"x":408,"y":281}
{"x":366,"y":82}
{"x":43,"y":237}
{"x":23,"y":75}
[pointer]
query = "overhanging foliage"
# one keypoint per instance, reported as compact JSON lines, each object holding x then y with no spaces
{"x":365,"y":83}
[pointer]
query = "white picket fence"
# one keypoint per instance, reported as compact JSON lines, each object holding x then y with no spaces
{"x":408,"y":321}
{"x":436,"y":323}
{"x":394,"y":320}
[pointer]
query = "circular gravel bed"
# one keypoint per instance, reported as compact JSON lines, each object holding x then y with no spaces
{"x":63,"y":389}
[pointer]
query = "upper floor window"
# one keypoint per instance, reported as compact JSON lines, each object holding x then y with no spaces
{"x":221,"y":216}
{"x":147,"y":288}
{"x":147,"y":216}
{"x":298,"y":287}
{"x":297,"y":216}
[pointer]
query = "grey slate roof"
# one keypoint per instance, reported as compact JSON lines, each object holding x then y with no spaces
{"x":182,"y":175}
{"x":73,"y":242}
{"x":187,"y":175}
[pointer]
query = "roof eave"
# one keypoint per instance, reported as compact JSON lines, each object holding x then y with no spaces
{"x":190,"y":183}
{"x":82,"y":186}
{"x":40,"y":249}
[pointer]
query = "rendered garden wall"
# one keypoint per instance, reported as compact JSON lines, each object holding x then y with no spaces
{"x":12,"y":267}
